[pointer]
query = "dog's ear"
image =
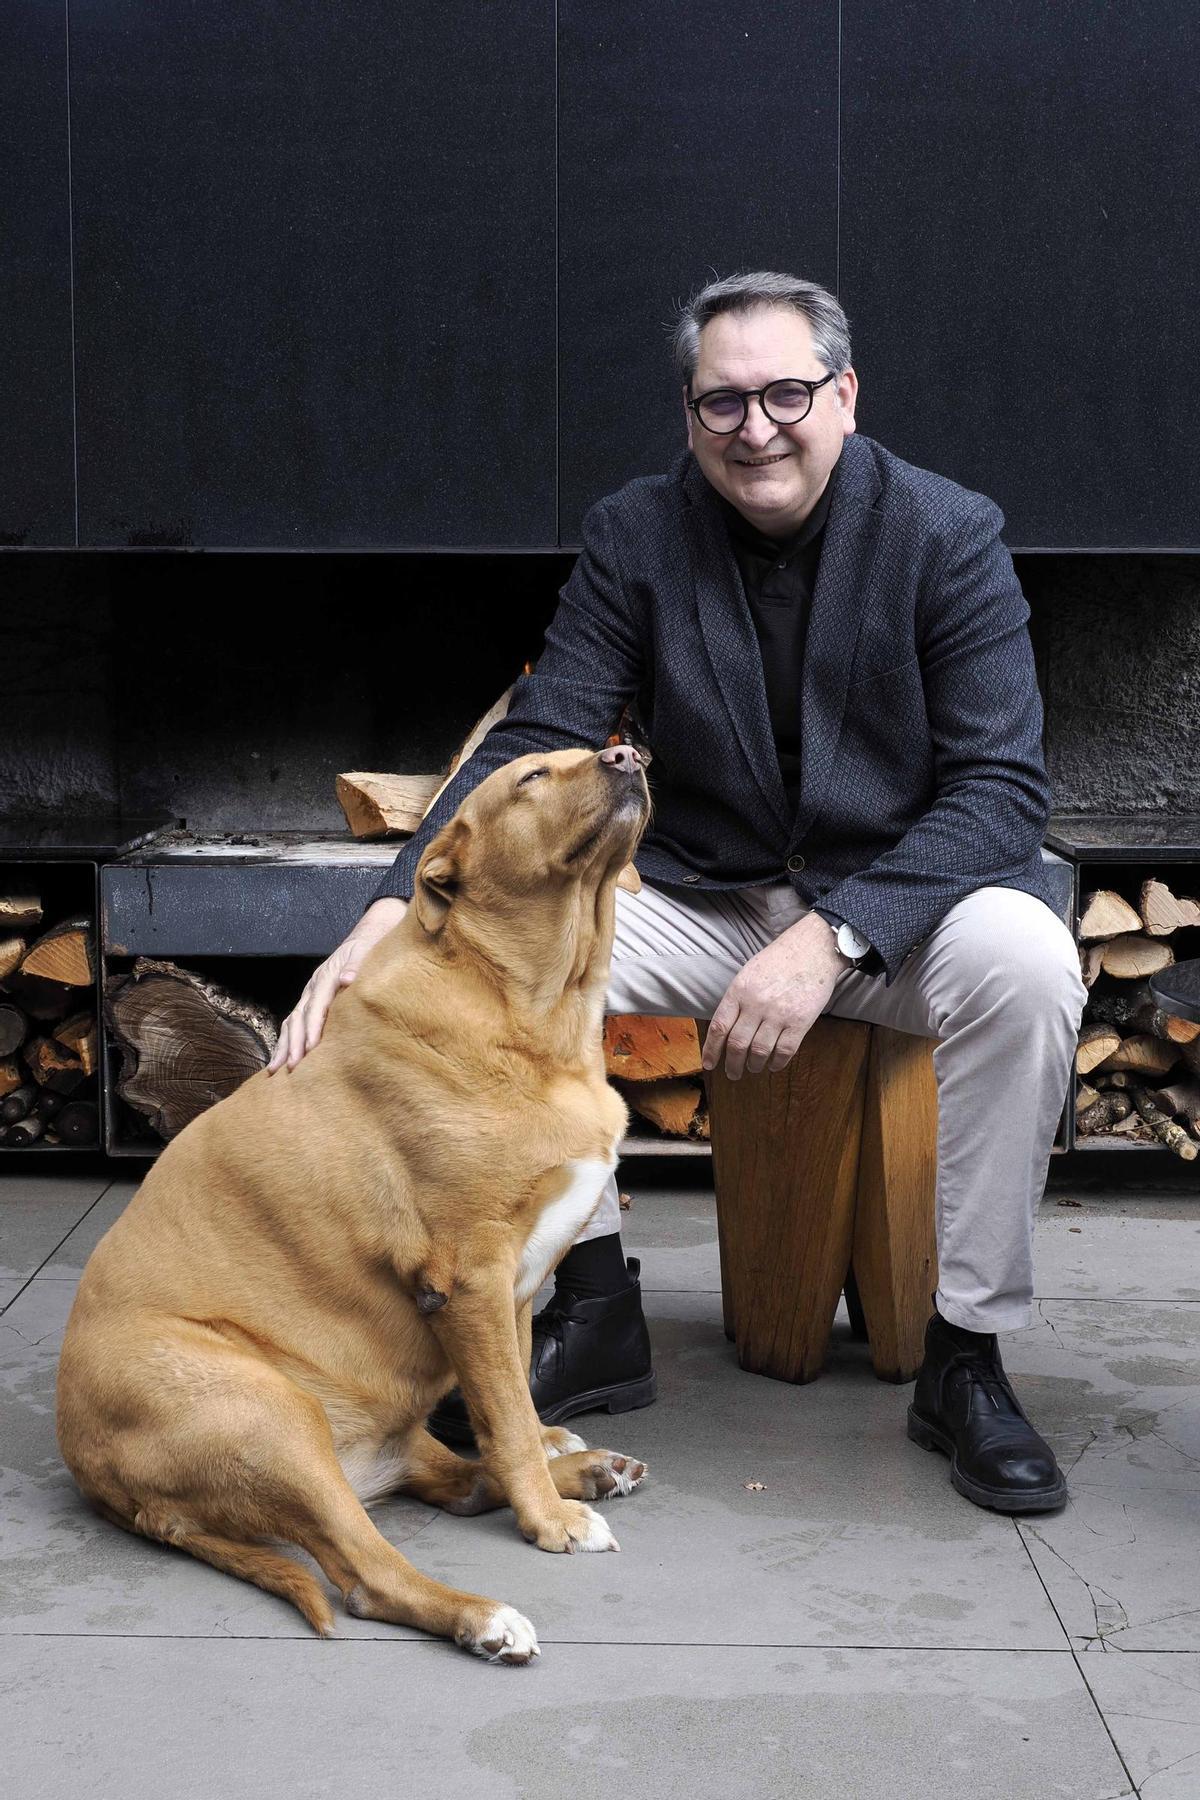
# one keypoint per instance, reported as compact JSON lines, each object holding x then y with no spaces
{"x":439,"y":873}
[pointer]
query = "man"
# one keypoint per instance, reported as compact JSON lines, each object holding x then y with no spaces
{"x":827,"y":650}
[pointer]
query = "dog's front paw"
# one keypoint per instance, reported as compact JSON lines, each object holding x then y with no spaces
{"x":506,"y":1637}
{"x":575,"y":1527}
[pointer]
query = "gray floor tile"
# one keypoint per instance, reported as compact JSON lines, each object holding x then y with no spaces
{"x":1116,"y":1390}
{"x":73,"y":1252}
{"x":855,"y":1538}
{"x":1109,"y":1248}
{"x":9,"y":1289}
{"x":1151,"y":1704}
{"x":37,"y":1212}
{"x":299,"y":1720}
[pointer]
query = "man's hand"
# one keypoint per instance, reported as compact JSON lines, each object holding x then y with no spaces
{"x":771,"y":1002}
{"x":302,"y":1028}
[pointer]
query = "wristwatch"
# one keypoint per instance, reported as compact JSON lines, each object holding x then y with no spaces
{"x":852,"y":944}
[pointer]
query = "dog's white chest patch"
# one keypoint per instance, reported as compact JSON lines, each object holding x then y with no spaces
{"x":561,"y":1222}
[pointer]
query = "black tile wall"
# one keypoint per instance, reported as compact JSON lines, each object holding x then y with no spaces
{"x":693,"y":140}
{"x":315,"y":272}
{"x":37,"y":483}
{"x":1019,"y":255}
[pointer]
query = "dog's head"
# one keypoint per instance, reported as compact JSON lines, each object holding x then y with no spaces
{"x":529,"y":861}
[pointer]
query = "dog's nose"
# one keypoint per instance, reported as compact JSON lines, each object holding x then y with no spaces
{"x":621,"y":756}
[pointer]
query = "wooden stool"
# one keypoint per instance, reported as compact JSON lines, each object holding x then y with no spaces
{"x":824,"y":1176}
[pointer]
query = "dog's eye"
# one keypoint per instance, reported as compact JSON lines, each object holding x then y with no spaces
{"x":532,"y":776}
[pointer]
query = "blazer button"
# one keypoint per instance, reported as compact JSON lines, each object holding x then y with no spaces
{"x":691,"y":878}
{"x":795,"y":862}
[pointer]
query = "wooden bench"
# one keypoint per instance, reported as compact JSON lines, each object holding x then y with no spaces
{"x":824,"y":1177}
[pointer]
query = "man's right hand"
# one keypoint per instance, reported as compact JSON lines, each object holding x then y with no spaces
{"x":304,"y":1024}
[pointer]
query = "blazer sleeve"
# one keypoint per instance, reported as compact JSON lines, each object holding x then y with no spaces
{"x":591,"y":666}
{"x":992,"y":799}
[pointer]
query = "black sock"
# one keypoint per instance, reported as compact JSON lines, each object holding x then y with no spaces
{"x":966,"y":1340}
{"x":593,"y":1268}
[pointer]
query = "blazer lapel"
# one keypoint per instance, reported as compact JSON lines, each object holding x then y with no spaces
{"x":841,"y":600}
{"x":730,"y":638}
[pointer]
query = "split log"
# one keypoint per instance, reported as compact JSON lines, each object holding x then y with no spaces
{"x":18,"y":1104}
{"x":42,"y":1000}
{"x":1085,"y":1096}
{"x":65,"y":953}
{"x":378,"y":806}
{"x":1163,"y":1024}
{"x":1181,"y":1097}
{"x":11,"y":1076}
{"x":20,"y":913}
{"x":53,"y":1066}
{"x":1162,"y":913}
{"x":1134,"y":956}
{"x":78,"y":1034}
{"x":1143,"y":1053}
{"x":676,"y":1107}
{"x":1167,"y":1132}
{"x":1097,"y":1042}
{"x":1119,"y":1006}
{"x":1106,"y":915}
{"x":640,"y":1047}
{"x":1112,"y":1078}
{"x":1090,"y":963}
{"x":1105,"y":1110}
{"x":12,"y":949}
{"x":186,"y":1042}
{"x":14,"y":1028}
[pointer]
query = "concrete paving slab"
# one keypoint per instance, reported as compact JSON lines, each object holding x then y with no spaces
{"x":1145,"y":1249}
{"x":9,"y":1289}
{"x":132,"y":1720}
{"x":37,"y":1212}
{"x":72,"y":1254}
{"x":856,"y":1536}
{"x":1118,"y":1396}
{"x":1151,"y":1704}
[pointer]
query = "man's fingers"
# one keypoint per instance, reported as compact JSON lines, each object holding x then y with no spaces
{"x":785,"y":1049}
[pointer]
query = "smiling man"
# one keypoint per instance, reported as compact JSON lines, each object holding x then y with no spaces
{"x":827,"y":650}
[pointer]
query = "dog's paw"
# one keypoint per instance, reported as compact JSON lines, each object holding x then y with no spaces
{"x":576,"y":1527}
{"x":558,"y":1441}
{"x":507,"y":1637}
{"x":595,"y":1474}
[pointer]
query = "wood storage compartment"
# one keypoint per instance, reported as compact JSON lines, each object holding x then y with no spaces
{"x":1136,"y":1082}
{"x":49,"y":1035}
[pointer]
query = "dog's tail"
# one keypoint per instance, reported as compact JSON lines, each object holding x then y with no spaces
{"x":268,"y":1569}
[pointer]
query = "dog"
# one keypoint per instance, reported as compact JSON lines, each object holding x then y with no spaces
{"x":315,"y":1261}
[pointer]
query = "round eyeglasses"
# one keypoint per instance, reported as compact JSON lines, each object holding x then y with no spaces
{"x":785,"y":402}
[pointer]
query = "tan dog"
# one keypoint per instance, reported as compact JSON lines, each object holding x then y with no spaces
{"x":312,"y":1263}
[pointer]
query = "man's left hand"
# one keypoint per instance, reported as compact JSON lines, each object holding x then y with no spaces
{"x":771,"y":1002}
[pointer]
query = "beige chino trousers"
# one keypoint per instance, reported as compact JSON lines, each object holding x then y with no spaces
{"x":996,"y":982}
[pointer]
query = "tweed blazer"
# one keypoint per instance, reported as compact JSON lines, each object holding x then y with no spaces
{"x":922,"y":771}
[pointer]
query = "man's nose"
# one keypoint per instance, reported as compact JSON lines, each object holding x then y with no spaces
{"x":756,"y":427}
{"x":621,"y":756}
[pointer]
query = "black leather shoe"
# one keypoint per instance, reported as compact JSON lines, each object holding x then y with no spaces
{"x":588,"y":1356}
{"x":965,"y":1406}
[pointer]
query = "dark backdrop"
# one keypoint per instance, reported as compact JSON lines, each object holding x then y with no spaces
{"x":281,"y":274}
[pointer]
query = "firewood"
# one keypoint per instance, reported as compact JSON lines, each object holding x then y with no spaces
{"x":677,"y":1107}
{"x":1105,"y":1110}
{"x":1144,"y":1054}
{"x":20,"y":913}
{"x":1119,"y":1006}
{"x":1112,"y":1078}
{"x":11,"y":1076}
{"x":641,"y":1047}
{"x":14,"y":1028}
{"x":12,"y":949}
{"x":1085,"y":1096}
{"x":186,"y":1042}
{"x":1172,"y":1135}
{"x":42,"y":1000}
{"x":18,"y":1104}
{"x":53,"y":1066}
{"x":48,"y":1104}
{"x":1106,"y":915}
{"x":79,"y":1034}
{"x":1163,"y":1024}
{"x":1181,"y":1097}
{"x":1090,"y":963}
{"x":1162,"y":913}
{"x":378,"y":805}
{"x":65,"y":953}
{"x":1097,"y":1042}
{"x":25,"y":1132}
{"x":78,"y":1123}
{"x":1133,"y":956}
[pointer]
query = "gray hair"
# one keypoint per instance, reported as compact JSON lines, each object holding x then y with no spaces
{"x":741,"y":293}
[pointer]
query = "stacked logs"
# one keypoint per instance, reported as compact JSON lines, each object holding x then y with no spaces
{"x":655,"y":1065}
{"x":1138,"y":1066}
{"x":48,"y":1037}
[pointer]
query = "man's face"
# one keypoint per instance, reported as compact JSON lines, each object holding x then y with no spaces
{"x":773,"y":474}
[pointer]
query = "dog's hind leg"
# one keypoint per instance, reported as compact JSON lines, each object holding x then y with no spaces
{"x":441,"y":1478}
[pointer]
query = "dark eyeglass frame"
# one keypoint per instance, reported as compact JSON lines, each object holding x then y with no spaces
{"x":745,"y":395}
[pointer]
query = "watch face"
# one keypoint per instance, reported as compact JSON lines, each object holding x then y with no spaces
{"x":851,"y":943}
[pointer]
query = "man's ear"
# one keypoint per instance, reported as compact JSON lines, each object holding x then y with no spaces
{"x":439,"y":874}
{"x":687,"y":414}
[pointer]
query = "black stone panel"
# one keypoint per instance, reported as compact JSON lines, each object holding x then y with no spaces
{"x":37,"y":481}
{"x":693,"y":141}
{"x":315,"y":272}
{"x":1018,"y":255}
